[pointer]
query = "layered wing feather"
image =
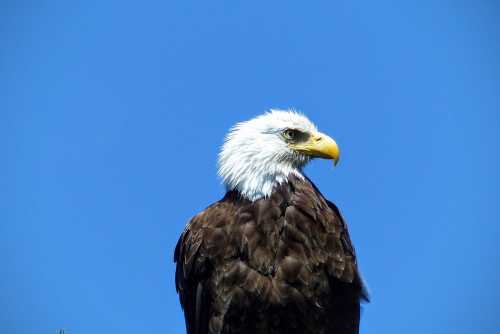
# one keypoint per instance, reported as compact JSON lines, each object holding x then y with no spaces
{"x":283,"y":264}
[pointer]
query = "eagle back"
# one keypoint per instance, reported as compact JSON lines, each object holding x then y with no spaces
{"x":289,"y":254}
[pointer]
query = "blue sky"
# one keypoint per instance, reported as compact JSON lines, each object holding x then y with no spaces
{"x":112,"y":113}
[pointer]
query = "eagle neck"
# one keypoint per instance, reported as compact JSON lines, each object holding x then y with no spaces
{"x":256,"y":184}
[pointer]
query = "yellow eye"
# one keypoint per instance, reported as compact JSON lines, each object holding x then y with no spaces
{"x":290,"y":134}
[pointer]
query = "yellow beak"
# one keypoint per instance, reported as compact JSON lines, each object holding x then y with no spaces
{"x":319,"y":145}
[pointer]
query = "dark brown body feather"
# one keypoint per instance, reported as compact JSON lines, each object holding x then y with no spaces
{"x":283,"y":264}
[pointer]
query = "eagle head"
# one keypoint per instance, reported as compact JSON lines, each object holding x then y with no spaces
{"x":263,"y":152}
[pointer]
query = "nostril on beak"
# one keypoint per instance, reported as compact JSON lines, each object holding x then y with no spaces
{"x":318,"y":139}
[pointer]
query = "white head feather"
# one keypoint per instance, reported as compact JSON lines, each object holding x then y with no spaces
{"x":255,"y":158}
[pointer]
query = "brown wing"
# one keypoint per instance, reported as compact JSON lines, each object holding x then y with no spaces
{"x":328,"y":248}
{"x":283,"y":264}
{"x":189,"y":284}
{"x":201,"y":243}
{"x":346,"y":241}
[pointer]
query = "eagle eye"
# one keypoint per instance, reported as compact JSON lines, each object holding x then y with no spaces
{"x":291,"y":134}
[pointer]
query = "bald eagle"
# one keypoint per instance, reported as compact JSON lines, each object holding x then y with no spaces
{"x":273,"y":255}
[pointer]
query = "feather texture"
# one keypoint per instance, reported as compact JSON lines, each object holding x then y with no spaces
{"x":280,"y":264}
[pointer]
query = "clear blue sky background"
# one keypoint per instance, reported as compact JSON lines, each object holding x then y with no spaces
{"x":112,"y":113}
